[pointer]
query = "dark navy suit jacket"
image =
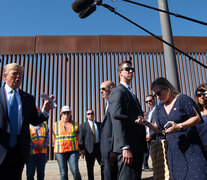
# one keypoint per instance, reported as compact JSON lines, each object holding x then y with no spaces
{"x":29,"y":115}
{"x":126,"y":132}
{"x":86,"y":136}
{"x":106,"y":136}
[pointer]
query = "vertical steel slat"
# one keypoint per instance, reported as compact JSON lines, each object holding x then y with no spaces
{"x":190,"y":78}
{"x":200,"y":69}
{"x":203,"y":69}
{"x":94,"y":85}
{"x":31,"y":74}
{"x":35,"y":77}
{"x":39,"y":79}
{"x":73,"y":85}
{"x":52,"y":120}
{"x":56,"y":85}
{"x":195,"y":71}
{"x":81,"y":88}
{"x":134,"y":77}
{"x":98,"y":83}
{"x":163,"y":65}
{"x":85,"y":85}
{"x":77,"y":89}
{"x":60,"y":85}
{"x":105,"y":59}
{"x":183,"y":74}
{"x":204,"y":61}
{"x":152,"y":69}
{"x":14,"y":58}
{"x":117,"y":62}
{"x":110,"y":68}
{"x":89,"y":82}
{"x":137,"y":76}
{"x":1,"y":69}
{"x":186,"y":73}
{"x":141,"y":98}
{"x":145,"y":84}
{"x":102,"y":79}
{"x":23,"y":64}
{"x":156,"y":66}
{"x":179,"y":72}
{"x":69,"y":80}
{"x":114,"y":68}
{"x":149,"y":71}
{"x":65,"y":79}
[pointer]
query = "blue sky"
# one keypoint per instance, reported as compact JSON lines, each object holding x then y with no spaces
{"x":55,"y":17}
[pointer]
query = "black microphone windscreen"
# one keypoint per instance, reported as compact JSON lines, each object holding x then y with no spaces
{"x":79,"y":5}
{"x":87,"y":11}
{"x":120,"y":116}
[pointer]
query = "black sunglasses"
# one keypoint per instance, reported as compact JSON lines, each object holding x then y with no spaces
{"x":199,"y":94}
{"x":158,"y":93}
{"x":90,"y":114}
{"x":66,"y":112}
{"x":103,"y":89}
{"x":149,"y":101}
{"x":128,"y":69}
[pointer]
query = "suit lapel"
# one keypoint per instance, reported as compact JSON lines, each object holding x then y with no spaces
{"x":130,"y":96}
{"x":105,"y":117}
{"x":88,"y":126}
{"x":23,"y":99}
{"x":3,"y":102}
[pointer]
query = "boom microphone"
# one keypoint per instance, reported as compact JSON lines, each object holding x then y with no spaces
{"x":87,"y":11}
{"x":79,"y":5}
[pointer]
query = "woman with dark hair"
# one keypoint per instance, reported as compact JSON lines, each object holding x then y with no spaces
{"x":201,"y":101}
{"x":177,"y":116}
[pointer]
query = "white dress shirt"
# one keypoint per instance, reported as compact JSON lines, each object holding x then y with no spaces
{"x":19,"y":102}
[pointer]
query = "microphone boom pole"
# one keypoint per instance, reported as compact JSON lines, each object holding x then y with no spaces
{"x":174,"y":14}
{"x":112,"y":9}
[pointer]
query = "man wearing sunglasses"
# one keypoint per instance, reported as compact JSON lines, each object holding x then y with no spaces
{"x":109,"y":158}
{"x":151,"y":104}
{"x":89,"y":142}
{"x":128,"y":138}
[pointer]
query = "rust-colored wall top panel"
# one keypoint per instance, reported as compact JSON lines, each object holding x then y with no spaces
{"x":130,"y":44}
{"x":96,"y":44}
{"x":67,"y":44}
{"x":191,"y":44}
{"x":17,"y":44}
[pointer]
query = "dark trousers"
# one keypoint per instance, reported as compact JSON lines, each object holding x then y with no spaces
{"x":146,"y":156}
{"x":110,"y":170}
{"x":36,"y":162}
{"x":130,"y":172}
{"x":12,"y":165}
{"x":90,"y":161}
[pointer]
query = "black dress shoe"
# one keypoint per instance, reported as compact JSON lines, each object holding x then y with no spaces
{"x":147,"y":170}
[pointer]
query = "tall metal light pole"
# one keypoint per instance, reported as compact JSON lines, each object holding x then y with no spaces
{"x":169,"y":52}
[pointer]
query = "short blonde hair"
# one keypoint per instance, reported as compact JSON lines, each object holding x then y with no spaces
{"x":13,"y":66}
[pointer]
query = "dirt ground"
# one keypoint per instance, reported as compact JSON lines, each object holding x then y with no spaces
{"x":52,"y":171}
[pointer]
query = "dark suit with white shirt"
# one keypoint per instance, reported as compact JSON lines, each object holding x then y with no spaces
{"x":19,"y":154}
{"x":126,"y":132}
{"x":110,"y":168}
{"x":86,"y":142}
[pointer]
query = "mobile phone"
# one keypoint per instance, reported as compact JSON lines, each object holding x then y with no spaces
{"x":167,"y":125}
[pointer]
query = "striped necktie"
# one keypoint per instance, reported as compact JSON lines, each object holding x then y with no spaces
{"x":13,"y":119}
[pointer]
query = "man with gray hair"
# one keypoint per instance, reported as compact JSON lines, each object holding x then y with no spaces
{"x":17,"y":111}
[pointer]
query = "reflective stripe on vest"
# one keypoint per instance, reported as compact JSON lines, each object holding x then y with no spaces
{"x":65,"y":140}
{"x":40,"y":138}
